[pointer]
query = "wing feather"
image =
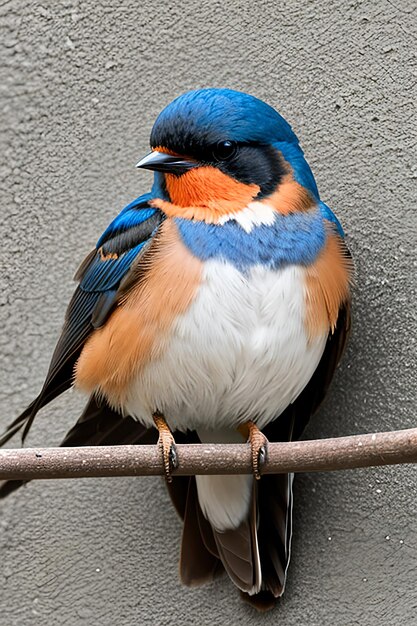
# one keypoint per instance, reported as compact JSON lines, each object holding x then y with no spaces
{"x":119,"y":248}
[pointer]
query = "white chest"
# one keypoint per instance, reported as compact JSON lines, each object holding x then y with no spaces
{"x":240,"y":352}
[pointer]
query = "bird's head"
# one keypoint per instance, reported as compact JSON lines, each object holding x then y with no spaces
{"x":218,"y":151}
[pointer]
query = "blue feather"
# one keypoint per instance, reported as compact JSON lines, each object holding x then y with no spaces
{"x":292,"y":239}
{"x":214,"y":114}
{"x":102,"y":275}
{"x":133,"y":214}
{"x":328,"y":214}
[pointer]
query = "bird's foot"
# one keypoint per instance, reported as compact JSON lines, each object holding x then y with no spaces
{"x":259,"y":446}
{"x":166,"y":443}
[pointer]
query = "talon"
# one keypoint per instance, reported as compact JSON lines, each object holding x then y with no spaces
{"x":259,"y":447}
{"x":173,"y":456}
{"x":262,"y":455}
{"x":166,"y":443}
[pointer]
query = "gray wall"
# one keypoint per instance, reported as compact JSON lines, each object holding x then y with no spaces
{"x":81,"y":83}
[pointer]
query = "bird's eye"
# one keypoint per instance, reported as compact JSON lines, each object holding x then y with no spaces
{"x":224,"y":150}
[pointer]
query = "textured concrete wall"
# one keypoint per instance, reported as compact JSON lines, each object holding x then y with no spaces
{"x":81,"y":83}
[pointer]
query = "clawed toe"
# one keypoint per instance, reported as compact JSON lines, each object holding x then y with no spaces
{"x":166,"y":443}
{"x":259,"y":448}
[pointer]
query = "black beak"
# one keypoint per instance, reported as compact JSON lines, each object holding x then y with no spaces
{"x":162,"y":162}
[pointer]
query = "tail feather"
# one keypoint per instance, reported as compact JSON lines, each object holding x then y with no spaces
{"x":237,"y":555}
{"x":239,"y":551}
{"x":255,"y":555}
{"x":20,"y":422}
{"x":205,"y":551}
{"x":52,"y":389}
{"x":207,"y":533}
{"x":262,"y":601}
{"x":198,"y":564}
{"x":275,"y":530}
{"x":45,"y":397}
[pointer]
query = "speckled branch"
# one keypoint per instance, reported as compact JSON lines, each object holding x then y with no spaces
{"x":387,"y":448}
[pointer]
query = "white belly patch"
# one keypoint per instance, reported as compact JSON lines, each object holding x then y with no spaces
{"x":240,"y":352}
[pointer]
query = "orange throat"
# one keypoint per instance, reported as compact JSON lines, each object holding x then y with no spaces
{"x":205,"y":194}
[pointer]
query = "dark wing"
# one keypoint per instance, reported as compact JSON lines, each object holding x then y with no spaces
{"x":101,"y":425}
{"x":97,"y":293}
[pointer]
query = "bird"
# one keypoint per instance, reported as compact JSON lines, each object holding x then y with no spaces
{"x":214,"y":308}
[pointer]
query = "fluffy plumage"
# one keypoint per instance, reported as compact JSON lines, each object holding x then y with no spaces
{"x":250,"y":364}
{"x":220,"y":297}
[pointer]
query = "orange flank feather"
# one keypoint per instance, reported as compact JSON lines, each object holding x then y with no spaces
{"x":290,"y":197}
{"x":327,"y":285}
{"x":138,"y":330}
{"x":205,"y":194}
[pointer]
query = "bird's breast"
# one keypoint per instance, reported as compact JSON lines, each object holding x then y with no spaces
{"x":241,"y":351}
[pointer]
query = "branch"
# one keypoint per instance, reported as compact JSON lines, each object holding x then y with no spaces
{"x":388,"y":448}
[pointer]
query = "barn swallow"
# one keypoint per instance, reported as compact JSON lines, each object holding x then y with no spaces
{"x":216,"y":308}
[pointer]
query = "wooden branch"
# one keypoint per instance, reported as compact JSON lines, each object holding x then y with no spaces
{"x":388,"y":448}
